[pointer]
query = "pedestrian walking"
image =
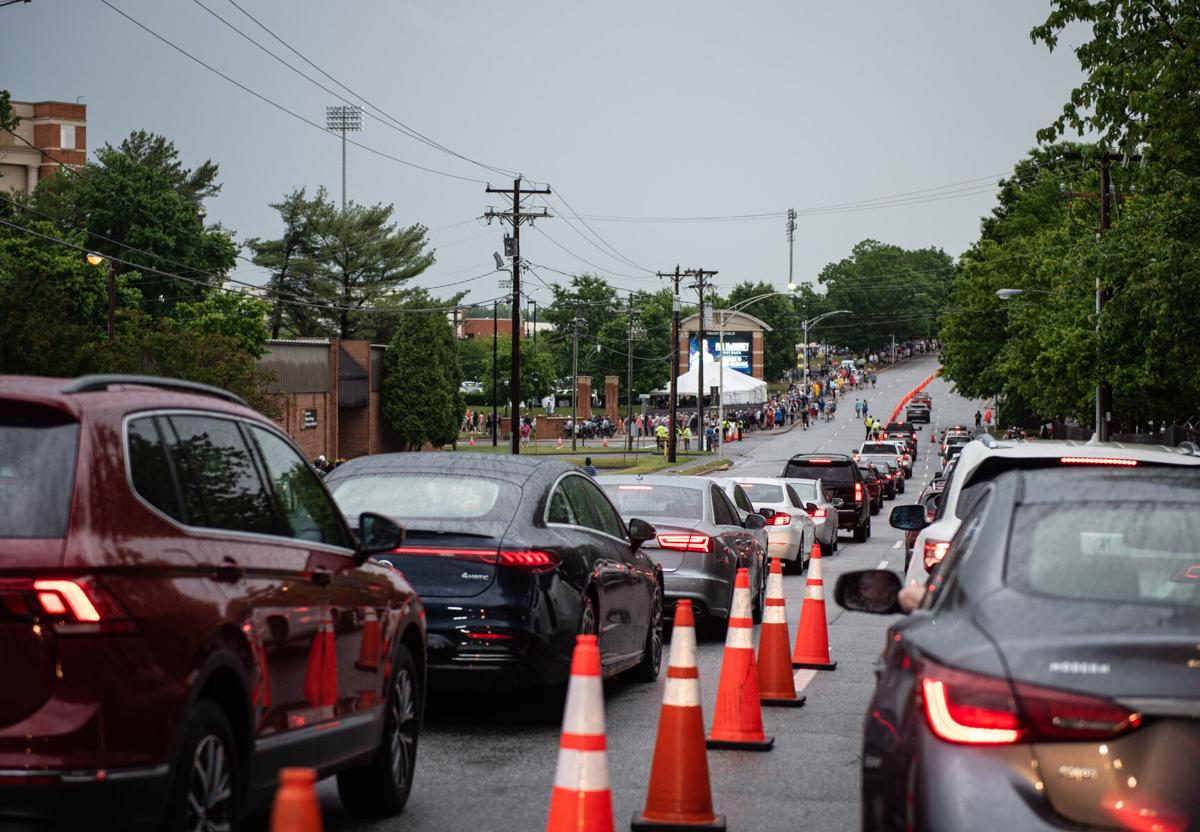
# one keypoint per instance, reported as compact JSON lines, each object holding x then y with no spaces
{"x":978,"y":419}
{"x":987,"y":417}
{"x":858,"y":408}
{"x":588,"y":468}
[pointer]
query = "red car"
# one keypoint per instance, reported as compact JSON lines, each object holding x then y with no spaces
{"x":184,"y":611}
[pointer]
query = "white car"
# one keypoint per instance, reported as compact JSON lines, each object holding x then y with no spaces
{"x":984,"y":457}
{"x":790,"y":531}
{"x":822,"y":508}
{"x":892,"y":447}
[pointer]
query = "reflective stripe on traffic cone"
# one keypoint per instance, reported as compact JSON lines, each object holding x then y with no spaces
{"x":369,"y":651}
{"x":812,"y":636}
{"x":296,"y":808}
{"x":775,"y":681}
{"x":680,"y":796}
{"x":737,"y":722}
{"x":320,"y":675}
{"x":581,"y":801}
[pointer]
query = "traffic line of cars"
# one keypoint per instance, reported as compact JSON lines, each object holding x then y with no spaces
{"x":1046,"y":671}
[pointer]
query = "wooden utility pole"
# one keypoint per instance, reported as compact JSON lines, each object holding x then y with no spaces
{"x":629,"y":378}
{"x":515,"y":218}
{"x":701,"y":283}
{"x":495,"y":357}
{"x":575,"y":377}
{"x":672,"y":437}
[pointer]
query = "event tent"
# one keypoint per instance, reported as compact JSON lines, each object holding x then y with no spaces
{"x":738,"y":387}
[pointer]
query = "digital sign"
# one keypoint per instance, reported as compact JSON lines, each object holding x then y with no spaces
{"x":739,"y":350}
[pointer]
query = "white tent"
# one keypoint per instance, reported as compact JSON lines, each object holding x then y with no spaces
{"x":738,"y":388}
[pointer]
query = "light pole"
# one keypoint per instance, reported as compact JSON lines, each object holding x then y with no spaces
{"x":1101,"y":434}
{"x":809,"y":322}
{"x":345,"y":118}
{"x":95,"y":259}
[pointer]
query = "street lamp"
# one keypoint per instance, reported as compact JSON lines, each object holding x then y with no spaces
{"x":344,"y":118}
{"x":1101,"y":434}
{"x":95,"y":259}
{"x":813,"y":322}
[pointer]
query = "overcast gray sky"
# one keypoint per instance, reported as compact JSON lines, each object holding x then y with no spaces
{"x":629,"y":109}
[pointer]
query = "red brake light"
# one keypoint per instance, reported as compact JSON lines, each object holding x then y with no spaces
{"x":818,"y":513}
{"x":533,"y":561}
{"x":935,"y":550}
{"x":858,"y":492}
{"x":973,"y":709}
{"x":476,"y":555}
{"x":1097,"y":460}
{"x":781,"y":518}
{"x":821,"y":461}
{"x":686,"y":542}
{"x":57,"y":597}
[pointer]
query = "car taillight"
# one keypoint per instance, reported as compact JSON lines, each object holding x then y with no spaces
{"x":973,"y":709}
{"x":935,"y":550}
{"x":858,"y":492}
{"x":1096,"y":460}
{"x":686,"y":542}
{"x":59,"y":597}
{"x":488,"y":556}
{"x":781,"y":518}
{"x":529,"y":560}
{"x":818,"y":513}
{"x":71,"y":605}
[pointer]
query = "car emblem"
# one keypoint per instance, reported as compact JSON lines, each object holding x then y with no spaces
{"x":1083,"y":668}
{"x":1077,"y":774}
{"x":475,"y":576}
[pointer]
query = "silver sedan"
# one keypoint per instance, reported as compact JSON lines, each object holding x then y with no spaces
{"x":790,"y":531}
{"x":822,"y":508}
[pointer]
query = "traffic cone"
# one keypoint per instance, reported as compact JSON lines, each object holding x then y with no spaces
{"x":812,"y":636}
{"x":560,"y":443}
{"x":606,"y":441}
{"x":680,"y":795}
{"x":296,"y":808}
{"x":320,"y":675}
{"x":737,"y":722}
{"x":472,"y":440}
{"x":775,"y":682}
{"x":581,"y":801}
{"x":369,"y":651}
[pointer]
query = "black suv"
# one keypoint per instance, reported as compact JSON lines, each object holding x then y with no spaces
{"x":844,"y":481}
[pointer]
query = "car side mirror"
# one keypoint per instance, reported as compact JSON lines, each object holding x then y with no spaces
{"x":376,"y":535}
{"x":639,"y":532}
{"x":875,"y":591}
{"x":756,"y":521}
{"x":838,"y":502}
{"x":910,"y":518}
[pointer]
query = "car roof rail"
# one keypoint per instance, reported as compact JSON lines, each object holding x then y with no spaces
{"x":92,"y":383}
{"x":988,"y":440}
{"x":1191,"y":447}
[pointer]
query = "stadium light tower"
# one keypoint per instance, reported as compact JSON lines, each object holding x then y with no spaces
{"x":345,"y":118}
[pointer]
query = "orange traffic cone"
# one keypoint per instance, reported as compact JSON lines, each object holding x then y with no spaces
{"x":812,"y":636}
{"x":296,"y":808}
{"x":320,"y":675}
{"x":775,"y":682}
{"x":560,"y":443}
{"x":368,"y":653}
{"x":680,"y":796}
{"x":472,"y":440}
{"x":737,"y":722}
{"x":582,"y":801}
{"x":606,"y":441}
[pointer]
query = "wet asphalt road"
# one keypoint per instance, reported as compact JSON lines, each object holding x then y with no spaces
{"x":486,"y":762}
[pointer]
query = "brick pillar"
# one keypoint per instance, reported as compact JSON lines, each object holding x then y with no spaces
{"x":612,"y":398}
{"x":583,"y":409}
{"x":757,"y":369}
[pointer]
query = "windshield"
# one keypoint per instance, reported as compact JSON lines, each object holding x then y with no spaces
{"x":643,"y":499}
{"x":429,"y":500}
{"x":759,"y":492}
{"x":832,"y":472}
{"x":1141,"y":552}
{"x":37,"y":472}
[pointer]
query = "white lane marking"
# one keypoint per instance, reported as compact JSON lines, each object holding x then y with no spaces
{"x":896,"y":545}
{"x":882,"y":564}
{"x":802,"y":677}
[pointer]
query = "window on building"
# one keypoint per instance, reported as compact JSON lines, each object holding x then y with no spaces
{"x":66,"y":136}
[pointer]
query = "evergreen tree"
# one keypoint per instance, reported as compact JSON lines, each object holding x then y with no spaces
{"x":420,"y":399}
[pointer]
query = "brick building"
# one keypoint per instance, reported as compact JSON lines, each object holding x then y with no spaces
{"x":50,"y":133}
{"x":329,"y":391}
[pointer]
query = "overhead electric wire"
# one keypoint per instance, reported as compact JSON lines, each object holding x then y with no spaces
{"x":559,"y":196}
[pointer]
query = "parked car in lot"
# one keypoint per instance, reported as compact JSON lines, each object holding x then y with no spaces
{"x":701,"y":539}
{"x":822,"y":507}
{"x":790,"y":530}
{"x":1047,"y":680}
{"x":513,"y":558}
{"x":840,"y":475}
{"x":184,"y":611}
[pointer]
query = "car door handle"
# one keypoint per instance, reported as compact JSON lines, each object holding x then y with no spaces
{"x":229,"y":571}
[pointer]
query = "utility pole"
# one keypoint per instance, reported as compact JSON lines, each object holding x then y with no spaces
{"x":791,"y":238}
{"x":1103,"y":391}
{"x":629,"y":378}
{"x":495,"y":381}
{"x":575,"y":377}
{"x":515,"y":218}
{"x":672,"y":441}
{"x":701,"y":283}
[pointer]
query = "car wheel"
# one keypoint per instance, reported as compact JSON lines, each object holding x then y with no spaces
{"x":860,"y":533}
{"x":874,"y":509}
{"x":651,"y":662}
{"x":588,"y":617}
{"x":827,"y":549}
{"x":207,"y":789}
{"x":756,"y":599}
{"x":868,"y":527}
{"x":381,"y":788}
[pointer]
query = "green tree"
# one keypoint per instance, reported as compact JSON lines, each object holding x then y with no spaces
{"x":290,"y":290}
{"x":780,"y":313}
{"x":537,"y":371}
{"x":239,"y":317}
{"x":595,"y":302}
{"x":7,"y":120}
{"x":421,"y":402}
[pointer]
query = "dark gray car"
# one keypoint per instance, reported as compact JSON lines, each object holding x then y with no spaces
{"x":701,"y":539}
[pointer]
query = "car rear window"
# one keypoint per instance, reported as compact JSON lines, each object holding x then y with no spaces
{"x":878,"y":448}
{"x":37,"y":471}
{"x":759,"y":492}
{"x":1141,"y":552}
{"x":428,"y":500}
{"x":643,"y":499}
{"x":806,"y":491}
{"x":832,"y":472}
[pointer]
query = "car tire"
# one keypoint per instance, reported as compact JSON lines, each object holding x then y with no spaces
{"x":868,"y":528}
{"x":206,"y":746}
{"x":827,"y":549}
{"x":860,"y":533}
{"x":651,"y":664}
{"x":874,"y":509}
{"x":381,"y":788}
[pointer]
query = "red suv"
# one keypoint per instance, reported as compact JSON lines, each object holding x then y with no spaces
{"x":184,"y":610}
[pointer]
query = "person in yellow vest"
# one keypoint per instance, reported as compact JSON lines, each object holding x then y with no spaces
{"x":660,"y":436}
{"x":687,"y":438}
